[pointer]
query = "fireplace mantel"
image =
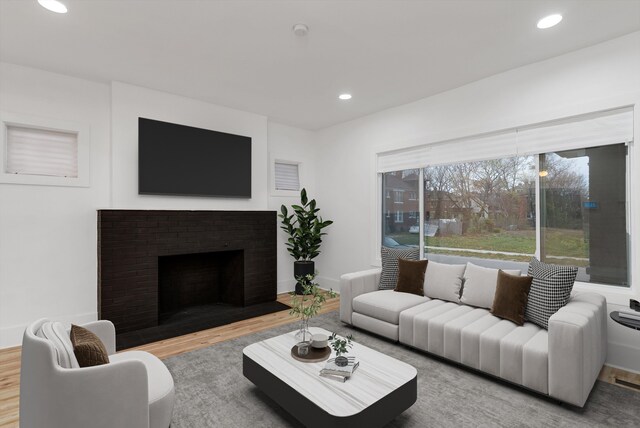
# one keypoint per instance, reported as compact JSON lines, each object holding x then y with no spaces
{"x":130,"y":243}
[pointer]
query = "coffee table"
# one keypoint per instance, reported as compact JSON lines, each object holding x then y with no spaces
{"x":379,"y":390}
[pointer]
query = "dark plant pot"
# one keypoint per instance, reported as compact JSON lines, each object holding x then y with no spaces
{"x":342,"y":361}
{"x":301,"y":268}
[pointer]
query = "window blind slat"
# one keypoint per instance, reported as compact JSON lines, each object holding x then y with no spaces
{"x":287,"y":176}
{"x":41,"y":152}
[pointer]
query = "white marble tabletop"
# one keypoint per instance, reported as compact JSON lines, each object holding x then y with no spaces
{"x":377,"y":376}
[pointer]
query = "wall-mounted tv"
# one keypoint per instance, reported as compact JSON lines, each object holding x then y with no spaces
{"x":182,"y":160}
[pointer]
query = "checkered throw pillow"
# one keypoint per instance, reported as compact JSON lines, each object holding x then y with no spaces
{"x":550,"y":290}
{"x":390,"y":256}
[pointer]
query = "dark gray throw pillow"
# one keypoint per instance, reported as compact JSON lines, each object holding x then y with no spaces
{"x":550,"y":290}
{"x":390,"y":256}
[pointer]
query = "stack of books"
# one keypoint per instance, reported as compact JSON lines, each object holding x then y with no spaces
{"x":339,"y":373}
{"x":630,"y":315}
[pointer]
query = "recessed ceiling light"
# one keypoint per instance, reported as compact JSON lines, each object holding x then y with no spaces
{"x":344,"y":96}
{"x":300,"y":30}
{"x":549,"y":21}
{"x":53,"y":6}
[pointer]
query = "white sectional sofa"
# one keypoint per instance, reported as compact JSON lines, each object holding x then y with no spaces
{"x":562,"y":362}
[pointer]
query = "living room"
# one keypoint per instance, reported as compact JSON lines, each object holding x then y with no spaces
{"x":365,"y":102}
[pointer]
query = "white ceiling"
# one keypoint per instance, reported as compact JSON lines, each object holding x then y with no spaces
{"x":243,"y":54}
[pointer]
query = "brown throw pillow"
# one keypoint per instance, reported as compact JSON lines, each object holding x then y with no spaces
{"x":88,"y":347}
{"x":510,"y":300}
{"x":411,"y":276}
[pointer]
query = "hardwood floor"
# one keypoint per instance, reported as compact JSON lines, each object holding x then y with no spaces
{"x":10,"y":357}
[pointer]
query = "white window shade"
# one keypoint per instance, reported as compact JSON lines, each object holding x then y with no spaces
{"x":33,"y":151}
{"x":478,"y":148}
{"x":287,"y":176}
{"x":598,"y":129}
{"x":398,"y":160}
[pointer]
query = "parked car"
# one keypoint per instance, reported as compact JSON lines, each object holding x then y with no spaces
{"x":414,"y":229}
{"x":392,"y":243}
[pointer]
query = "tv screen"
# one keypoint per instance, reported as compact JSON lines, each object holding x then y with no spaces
{"x":183,"y":160}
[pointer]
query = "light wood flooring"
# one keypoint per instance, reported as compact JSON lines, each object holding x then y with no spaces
{"x":10,"y":357}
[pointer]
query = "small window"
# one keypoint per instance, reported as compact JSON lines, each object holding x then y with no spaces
{"x":287,"y":176}
{"x":32,"y":151}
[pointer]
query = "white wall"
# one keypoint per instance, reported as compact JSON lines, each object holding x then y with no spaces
{"x":592,"y":79}
{"x":48,"y":236}
{"x":47,"y":233}
{"x":296,"y":145}
{"x":129,"y":102}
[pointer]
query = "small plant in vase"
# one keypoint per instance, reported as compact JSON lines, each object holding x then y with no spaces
{"x":307,"y":305}
{"x":341,"y":346}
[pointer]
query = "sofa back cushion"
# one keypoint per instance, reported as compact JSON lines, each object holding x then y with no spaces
{"x":443,"y":281}
{"x":480,"y":285}
{"x":390,"y":256}
{"x":550,"y":290}
{"x":57,"y":335}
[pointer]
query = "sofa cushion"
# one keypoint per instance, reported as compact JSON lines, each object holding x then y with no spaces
{"x":480,"y":285}
{"x":87,"y":347}
{"x":453,"y":333}
{"x":411,"y":276}
{"x":160,"y":382}
{"x":510,"y":300}
{"x":374,"y":325}
{"x":407,"y":316}
{"x":390,"y":256}
{"x":550,"y":290}
{"x":470,"y":339}
{"x":57,"y":335}
{"x":386,"y":305}
{"x":443,"y":281}
{"x":512,"y":352}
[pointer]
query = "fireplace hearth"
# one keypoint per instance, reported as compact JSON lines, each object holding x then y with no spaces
{"x":167,"y":273}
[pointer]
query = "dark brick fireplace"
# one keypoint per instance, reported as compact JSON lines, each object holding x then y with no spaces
{"x":154,"y":264}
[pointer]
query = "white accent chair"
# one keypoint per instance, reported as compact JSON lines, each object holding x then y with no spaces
{"x":134,"y":390}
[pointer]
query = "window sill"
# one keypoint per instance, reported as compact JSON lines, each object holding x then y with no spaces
{"x":614,"y":294}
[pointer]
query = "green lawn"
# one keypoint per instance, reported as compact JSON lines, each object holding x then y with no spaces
{"x":558,"y":242}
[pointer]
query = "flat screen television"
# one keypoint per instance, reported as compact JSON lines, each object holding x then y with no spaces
{"x":182,"y":160}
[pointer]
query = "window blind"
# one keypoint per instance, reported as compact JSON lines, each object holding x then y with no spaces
{"x":601,"y":129}
{"x":41,"y":152}
{"x":598,"y":129}
{"x":414,"y":157}
{"x":287,"y":176}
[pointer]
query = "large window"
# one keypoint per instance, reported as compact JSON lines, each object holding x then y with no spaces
{"x":566,"y":207}
{"x":481,"y":209}
{"x":399,"y":227}
{"x":583,"y":215}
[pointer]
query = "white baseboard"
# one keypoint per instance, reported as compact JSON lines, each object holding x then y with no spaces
{"x":623,"y":357}
{"x":287,"y":285}
{"x":12,"y":336}
{"x":327,"y":283}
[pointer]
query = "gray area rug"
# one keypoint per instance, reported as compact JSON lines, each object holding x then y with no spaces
{"x":212,"y":392}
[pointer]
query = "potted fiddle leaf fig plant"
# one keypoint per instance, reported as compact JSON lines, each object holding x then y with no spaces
{"x":305,"y":229}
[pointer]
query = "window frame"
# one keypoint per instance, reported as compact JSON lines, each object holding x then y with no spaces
{"x":272,"y":177}
{"x":615,"y":294}
{"x":83,"y":179}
